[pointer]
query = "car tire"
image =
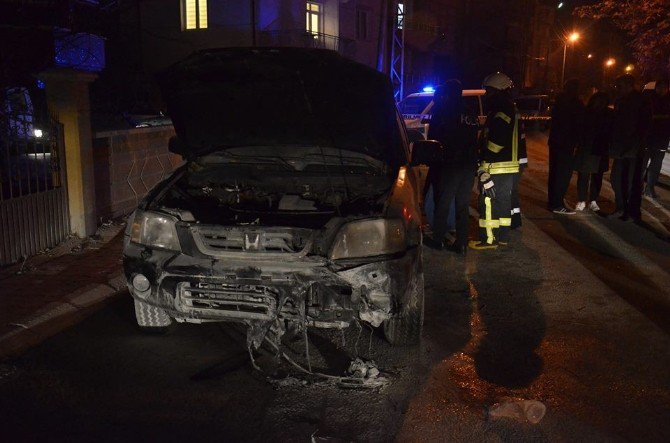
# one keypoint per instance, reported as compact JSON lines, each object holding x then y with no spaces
{"x":405,"y":327}
{"x":151,"y":318}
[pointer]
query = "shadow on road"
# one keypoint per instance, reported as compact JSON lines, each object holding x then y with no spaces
{"x":512,"y":320}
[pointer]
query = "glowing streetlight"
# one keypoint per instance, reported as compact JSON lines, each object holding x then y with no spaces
{"x":590,"y":56}
{"x":629,"y":68}
{"x":610,"y":62}
{"x":572,"y":38}
{"x":560,"y":5}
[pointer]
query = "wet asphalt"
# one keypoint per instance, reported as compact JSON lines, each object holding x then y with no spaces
{"x":567,"y":314}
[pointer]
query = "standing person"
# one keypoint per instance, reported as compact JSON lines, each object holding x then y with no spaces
{"x":499,"y":163}
{"x":659,"y":137}
{"x":592,"y":160}
{"x":457,"y":131}
{"x":632,"y":120}
{"x":566,"y":116}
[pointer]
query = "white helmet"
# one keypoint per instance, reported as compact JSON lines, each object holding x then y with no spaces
{"x":498,"y":81}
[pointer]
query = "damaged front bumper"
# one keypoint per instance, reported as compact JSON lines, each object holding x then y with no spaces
{"x":311,"y":291}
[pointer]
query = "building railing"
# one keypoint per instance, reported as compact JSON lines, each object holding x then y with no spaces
{"x":303,"y":39}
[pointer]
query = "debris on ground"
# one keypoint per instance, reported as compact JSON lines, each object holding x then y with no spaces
{"x":363,"y":374}
{"x":7,"y":371}
{"x":323,"y":438}
{"x":286,"y":382}
{"x":531,"y":411}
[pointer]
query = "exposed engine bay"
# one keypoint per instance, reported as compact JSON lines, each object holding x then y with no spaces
{"x":306,"y":192}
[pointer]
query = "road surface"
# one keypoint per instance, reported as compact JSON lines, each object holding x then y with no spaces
{"x":574,"y":313}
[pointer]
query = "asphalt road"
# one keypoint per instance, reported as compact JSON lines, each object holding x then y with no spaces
{"x":572,"y":313}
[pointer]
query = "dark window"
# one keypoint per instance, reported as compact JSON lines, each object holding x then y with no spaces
{"x":361,"y":24}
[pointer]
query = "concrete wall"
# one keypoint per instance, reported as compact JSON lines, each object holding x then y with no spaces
{"x":127,"y":164}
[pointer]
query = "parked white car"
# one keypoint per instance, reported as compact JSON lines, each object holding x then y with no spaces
{"x":416,"y":108}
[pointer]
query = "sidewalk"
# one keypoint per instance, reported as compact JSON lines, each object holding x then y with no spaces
{"x":49,"y":293}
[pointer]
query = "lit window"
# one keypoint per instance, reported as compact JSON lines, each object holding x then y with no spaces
{"x":194,"y":14}
{"x":362,"y":24}
{"x":313,"y":18}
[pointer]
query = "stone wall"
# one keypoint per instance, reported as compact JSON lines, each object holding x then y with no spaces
{"x":127,"y":164}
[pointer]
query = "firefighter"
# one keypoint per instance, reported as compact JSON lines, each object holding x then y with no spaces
{"x":499,"y":163}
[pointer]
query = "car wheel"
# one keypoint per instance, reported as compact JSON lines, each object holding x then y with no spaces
{"x":151,"y":318}
{"x":405,"y":327}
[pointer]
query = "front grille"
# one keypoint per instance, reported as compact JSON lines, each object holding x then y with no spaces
{"x":218,"y":241}
{"x":252,"y":302}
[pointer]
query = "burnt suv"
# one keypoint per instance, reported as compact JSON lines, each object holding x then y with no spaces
{"x":297,"y":206}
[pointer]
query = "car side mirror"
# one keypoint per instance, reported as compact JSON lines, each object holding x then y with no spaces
{"x":426,"y":152}
{"x":176,"y":146}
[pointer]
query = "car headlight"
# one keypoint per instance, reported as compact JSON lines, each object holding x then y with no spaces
{"x":367,"y":238}
{"x":155,"y":230}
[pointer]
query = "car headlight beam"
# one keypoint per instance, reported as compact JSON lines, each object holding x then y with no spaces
{"x":369,"y":238}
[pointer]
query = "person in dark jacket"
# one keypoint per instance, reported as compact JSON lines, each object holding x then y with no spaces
{"x":591,"y":160}
{"x":659,"y":137}
{"x":566,"y":117}
{"x":457,"y":131}
{"x":632,"y":121}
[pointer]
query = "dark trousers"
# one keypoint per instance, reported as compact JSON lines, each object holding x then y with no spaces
{"x":455,"y":185}
{"x":654,"y":171}
{"x":584,"y":179}
{"x":495,"y":219}
{"x":627,"y":177}
{"x":560,"y":172}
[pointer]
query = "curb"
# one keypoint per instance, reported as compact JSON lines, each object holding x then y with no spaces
{"x":58,"y":316}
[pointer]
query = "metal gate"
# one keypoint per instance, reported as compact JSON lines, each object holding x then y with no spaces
{"x":33,"y":193}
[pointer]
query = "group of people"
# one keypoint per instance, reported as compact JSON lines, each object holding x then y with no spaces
{"x":496,"y":155}
{"x":634,"y":133}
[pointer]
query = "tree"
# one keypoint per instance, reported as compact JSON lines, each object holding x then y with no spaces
{"x":647,"y":23}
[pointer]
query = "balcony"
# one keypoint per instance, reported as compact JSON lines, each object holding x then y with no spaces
{"x":303,"y":39}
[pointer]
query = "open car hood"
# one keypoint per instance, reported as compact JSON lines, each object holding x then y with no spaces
{"x":267,"y":97}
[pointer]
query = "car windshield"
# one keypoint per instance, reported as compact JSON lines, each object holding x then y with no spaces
{"x":471,"y":104}
{"x":415,"y":105}
{"x":529,"y":103}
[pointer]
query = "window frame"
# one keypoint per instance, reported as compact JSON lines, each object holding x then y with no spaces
{"x":201,"y":11}
{"x":362,"y":24}
{"x":310,"y":13}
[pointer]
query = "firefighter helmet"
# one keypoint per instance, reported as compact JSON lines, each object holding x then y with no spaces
{"x":498,"y":81}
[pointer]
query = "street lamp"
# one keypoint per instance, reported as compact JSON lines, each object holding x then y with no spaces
{"x":572,"y":38}
{"x":629,"y":68}
{"x":590,"y":56}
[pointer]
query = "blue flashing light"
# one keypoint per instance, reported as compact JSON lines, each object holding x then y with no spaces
{"x":40,"y":84}
{"x":428,"y":89}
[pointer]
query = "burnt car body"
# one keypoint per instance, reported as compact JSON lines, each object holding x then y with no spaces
{"x":297,"y":205}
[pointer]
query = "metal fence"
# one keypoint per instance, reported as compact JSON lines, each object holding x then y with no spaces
{"x":33,"y":196}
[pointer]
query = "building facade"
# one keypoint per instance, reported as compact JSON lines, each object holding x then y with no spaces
{"x":170,"y":30}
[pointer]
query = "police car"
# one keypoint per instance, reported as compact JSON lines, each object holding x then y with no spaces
{"x":416,"y":108}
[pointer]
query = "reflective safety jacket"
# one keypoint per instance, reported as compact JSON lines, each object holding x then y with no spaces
{"x":504,"y":140}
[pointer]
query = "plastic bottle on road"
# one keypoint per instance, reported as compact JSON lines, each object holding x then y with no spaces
{"x":523,"y":410}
